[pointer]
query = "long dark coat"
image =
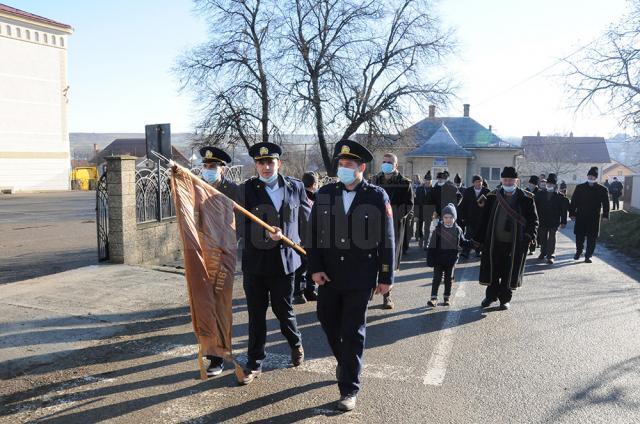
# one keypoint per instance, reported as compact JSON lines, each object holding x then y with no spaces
{"x":587,"y":202}
{"x":421,"y":209}
{"x":441,"y":196}
{"x":469,"y":211}
{"x":522,"y":235}
{"x":552,"y":210}
{"x":400,"y":193}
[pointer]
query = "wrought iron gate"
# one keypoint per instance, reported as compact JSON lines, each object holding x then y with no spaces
{"x":102,"y":218}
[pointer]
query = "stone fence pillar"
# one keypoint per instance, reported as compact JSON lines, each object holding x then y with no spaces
{"x":121,"y":189}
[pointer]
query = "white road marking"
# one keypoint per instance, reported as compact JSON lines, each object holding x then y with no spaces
{"x":437,"y":365}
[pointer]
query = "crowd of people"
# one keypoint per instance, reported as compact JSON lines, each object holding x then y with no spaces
{"x":356,"y":230}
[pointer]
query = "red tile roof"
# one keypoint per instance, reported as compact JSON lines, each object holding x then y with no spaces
{"x":30,"y":16}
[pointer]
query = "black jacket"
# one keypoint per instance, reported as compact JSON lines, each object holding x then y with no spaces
{"x":552,"y":210}
{"x":469,"y":211}
{"x":356,"y":249}
{"x":422,"y":210}
{"x":616,"y":188}
{"x":444,"y":244}
{"x":586,"y":203}
{"x":400,"y":194}
{"x":441,"y":196}
{"x":261,"y":255}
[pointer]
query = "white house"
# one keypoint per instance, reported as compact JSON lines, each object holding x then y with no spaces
{"x":34,"y":138}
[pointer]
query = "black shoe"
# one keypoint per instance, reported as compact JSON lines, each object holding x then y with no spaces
{"x":447,"y":302}
{"x":478,"y":254}
{"x":215,"y":367}
{"x":577,"y":256}
{"x":297,"y":356}
{"x":505,"y":306}
{"x":550,"y":261}
{"x":541,"y":257}
{"x":486,"y":302}
{"x":387,"y":303}
{"x":299,"y":299}
{"x":588,"y":261}
{"x":311,"y":295}
{"x":433,"y":302}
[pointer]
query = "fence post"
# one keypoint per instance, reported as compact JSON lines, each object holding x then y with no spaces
{"x":121,"y":189}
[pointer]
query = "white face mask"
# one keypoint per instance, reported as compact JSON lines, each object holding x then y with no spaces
{"x":440,"y":182}
{"x":591,"y":181}
{"x":551,"y":187}
{"x":509,"y":189}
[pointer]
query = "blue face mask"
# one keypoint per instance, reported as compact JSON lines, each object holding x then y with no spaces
{"x":591,"y":182}
{"x":269,"y":180}
{"x":387,"y":168}
{"x":509,"y":189}
{"x":346,"y":175}
{"x":210,"y":175}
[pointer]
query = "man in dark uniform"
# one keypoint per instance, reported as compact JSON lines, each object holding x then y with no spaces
{"x":214,"y":165}
{"x":588,"y":200}
{"x":268,"y":265}
{"x":616,"y":191}
{"x":470,"y":209}
{"x":305,"y":289}
{"x":350,"y":256}
{"x":443,"y":193}
{"x":398,"y":189}
{"x":422,"y":211}
{"x":552,"y":214}
{"x":533,"y":186}
{"x":509,"y":223}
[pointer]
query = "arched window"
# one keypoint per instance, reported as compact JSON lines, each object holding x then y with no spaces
{"x":45,"y":38}
{"x":37,"y":36}
{"x":8,"y":30}
{"x":18,"y":33}
{"x":53,"y":40}
{"x":61,"y":42}
{"x":27,"y":34}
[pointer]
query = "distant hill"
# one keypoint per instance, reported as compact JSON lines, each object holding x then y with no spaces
{"x":82,"y":144}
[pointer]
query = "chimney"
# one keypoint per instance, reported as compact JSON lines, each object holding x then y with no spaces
{"x":432,"y":111}
{"x":466,"y":106}
{"x":571,"y":134}
{"x":538,"y":135}
{"x":490,"y":127}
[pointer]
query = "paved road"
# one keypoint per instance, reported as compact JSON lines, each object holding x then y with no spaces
{"x":568,"y":352}
{"x":45,"y":233}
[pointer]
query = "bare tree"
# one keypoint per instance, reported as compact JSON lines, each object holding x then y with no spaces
{"x":394,"y":69}
{"x":364,"y":63}
{"x":608,"y":70}
{"x":230,"y":74}
{"x":321,"y":32}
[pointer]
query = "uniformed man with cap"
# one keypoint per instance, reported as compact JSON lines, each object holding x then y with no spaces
{"x":351,"y":256}
{"x":268,"y":265}
{"x":214,"y":166}
{"x":423,"y":212}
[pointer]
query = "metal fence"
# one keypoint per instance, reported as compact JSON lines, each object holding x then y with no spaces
{"x":102,"y":218}
{"x":153,"y":195}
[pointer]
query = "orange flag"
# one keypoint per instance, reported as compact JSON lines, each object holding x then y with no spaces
{"x":207,"y":227}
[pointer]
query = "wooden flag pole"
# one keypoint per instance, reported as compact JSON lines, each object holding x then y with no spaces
{"x":246,"y":213}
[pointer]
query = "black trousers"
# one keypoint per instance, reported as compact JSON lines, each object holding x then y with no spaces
{"x":547,"y":237}
{"x":591,"y":244}
{"x":616,"y":201}
{"x":343,"y":316}
{"x":259,"y":289}
{"x":500,"y":287}
{"x":440,"y":272}
{"x":303,"y":282}
{"x":419,"y":228}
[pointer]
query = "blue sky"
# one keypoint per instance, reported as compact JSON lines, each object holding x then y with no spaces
{"x":122,"y":52}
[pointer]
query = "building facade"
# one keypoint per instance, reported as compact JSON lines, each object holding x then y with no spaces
{"x":34,"y":138}
{"x":459,"y":145}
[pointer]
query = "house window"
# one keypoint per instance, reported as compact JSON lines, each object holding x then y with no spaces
{"x":45,"y":38}
{"x":18,"y":33}
{"x":490,"y":174}
{"x":53,"y":40}
{"x":619,"y":173}
{"x":61,"y":42}
{"x":37,"y":36}
{"x":27,"y":34}
{"x":8,"y":30}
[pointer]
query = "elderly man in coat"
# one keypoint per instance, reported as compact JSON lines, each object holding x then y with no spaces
{"x":588,"y":200}
{"x":509,"y":224}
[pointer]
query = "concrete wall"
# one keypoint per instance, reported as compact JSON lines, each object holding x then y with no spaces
{"x":632,"y":204}
{"x":34,"y":138}
{"x":130,"y":242}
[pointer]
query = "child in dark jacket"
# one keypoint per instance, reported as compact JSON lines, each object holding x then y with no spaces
{"x":442,"y":253}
